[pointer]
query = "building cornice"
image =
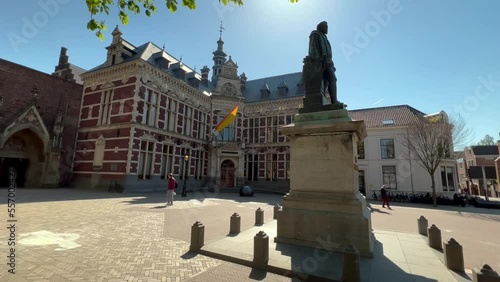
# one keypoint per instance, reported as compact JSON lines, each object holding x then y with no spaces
{"x":183,"y":91}
{"x":285,"y":106}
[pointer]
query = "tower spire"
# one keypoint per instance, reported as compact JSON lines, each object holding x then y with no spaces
{"x":220,"y":30}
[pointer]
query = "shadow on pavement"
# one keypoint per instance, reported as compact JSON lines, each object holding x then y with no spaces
{"x":378,"y":210}
{"x":316,"y":263}
{"x":467,"y":209}
{"x":34,"y":195}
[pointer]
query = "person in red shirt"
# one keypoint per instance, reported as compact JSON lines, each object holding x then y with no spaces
{"x":385,"y":197}
{"x":172,"y":184}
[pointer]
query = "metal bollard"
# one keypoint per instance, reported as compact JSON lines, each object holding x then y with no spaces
{"x":350,"y":268}
{"x":259,"y":216}
{"x":454,"y":256}
{"x":276,"y":210}
{"x":485,"y":274}
{"x":434,"y":235}
{"x":197,"y":236}
{"x":235,"y":224}
{"x":261,"y":250}
{"x":422,"y":225}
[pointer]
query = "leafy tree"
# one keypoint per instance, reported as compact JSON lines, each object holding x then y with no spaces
{"x":431,"y":140}
{"x":487,"y":140}
{"x":98,"y":7}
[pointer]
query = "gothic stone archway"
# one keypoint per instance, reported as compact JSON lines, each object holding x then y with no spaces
{"x":227,"y":174}
{"x":24,"y":151}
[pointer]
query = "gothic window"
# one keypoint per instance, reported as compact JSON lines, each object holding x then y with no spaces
{"x":271,"y":167}
{"x":146,"y":160}
{"x":106,"y":106}
{"x":166,"y":160}
{"x":172,"y":111}
{"x":150,"y":108}
{"x":202,"y":124}
{"x":228,"y":134}
{"x":272,"y":130}
{"x":252,"y":166}
{"x":188,"y":120}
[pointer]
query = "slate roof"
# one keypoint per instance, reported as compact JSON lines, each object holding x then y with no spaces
{"x":149,"y":52}
{"x":485,"y":150}
{"x":400,"y":115}
{"x":252,"y":92}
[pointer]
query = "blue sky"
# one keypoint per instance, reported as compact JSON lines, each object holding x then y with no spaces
{"x":432,"y":55}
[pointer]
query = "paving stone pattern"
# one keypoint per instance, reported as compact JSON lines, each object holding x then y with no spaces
{"x":113,"y":238}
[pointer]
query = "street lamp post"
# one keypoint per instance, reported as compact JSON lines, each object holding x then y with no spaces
{"x":186,"y":159}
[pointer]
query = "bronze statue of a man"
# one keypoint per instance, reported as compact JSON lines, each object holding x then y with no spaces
{"x":320,"y":49}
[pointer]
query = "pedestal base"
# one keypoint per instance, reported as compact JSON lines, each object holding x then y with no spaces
{"x":324,"y":208}
{"x":328,"y":221}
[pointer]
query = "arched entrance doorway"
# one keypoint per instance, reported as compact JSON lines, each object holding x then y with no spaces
{"x":24,"y":152}
{"x":227,"y":174}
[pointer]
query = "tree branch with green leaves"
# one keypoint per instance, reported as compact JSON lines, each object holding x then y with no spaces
{"x":126,"y":7}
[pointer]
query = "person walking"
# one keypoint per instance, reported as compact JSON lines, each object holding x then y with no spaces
{"x":385,"y":198}
{"x":172,"y":184}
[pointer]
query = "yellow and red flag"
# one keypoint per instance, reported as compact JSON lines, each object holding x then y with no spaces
{"x":226,"y":121}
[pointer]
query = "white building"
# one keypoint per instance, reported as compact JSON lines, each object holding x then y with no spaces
{"x":383,"y":157}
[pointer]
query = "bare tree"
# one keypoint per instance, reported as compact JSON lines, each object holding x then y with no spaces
{"x":432,"y":140}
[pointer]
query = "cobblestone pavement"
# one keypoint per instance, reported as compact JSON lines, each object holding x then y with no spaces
{"x":230,"y":272}
{"x":84,"y":235}
{"x":476,"y":229}
{"x":78,"y":235}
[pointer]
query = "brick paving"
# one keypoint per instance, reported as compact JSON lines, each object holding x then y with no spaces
{"x":230,"y":272}
{"x":83,"y":235}
{"x":75,"y":235}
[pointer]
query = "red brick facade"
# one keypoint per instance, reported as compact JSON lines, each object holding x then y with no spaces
{"x":21,"y":87}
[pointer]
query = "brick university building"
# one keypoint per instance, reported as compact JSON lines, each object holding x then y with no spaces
{"x":143,"y":113}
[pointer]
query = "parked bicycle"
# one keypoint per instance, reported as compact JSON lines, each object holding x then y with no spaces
{"x":114,"y":186}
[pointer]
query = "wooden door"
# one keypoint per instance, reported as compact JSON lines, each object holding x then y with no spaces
{"x":227,"y":174}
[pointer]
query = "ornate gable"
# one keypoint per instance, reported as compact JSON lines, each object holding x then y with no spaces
{"x":29,"y":117}
{"x":107,"y":85}
{"x":156,"y":86}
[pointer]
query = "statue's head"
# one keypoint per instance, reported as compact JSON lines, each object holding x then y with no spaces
{"x":322,"y":27}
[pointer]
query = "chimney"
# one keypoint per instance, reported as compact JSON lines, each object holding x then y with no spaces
{"x":204,"y":76}
{"x":63,"y":69}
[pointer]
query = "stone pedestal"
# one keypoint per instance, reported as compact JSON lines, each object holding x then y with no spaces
{"x":324,"y":208}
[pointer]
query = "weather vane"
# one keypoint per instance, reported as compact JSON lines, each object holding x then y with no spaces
{"x":220,"y":30}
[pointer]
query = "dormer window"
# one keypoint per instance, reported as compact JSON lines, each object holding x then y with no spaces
{"x":264,"y":90}
{"x":283,"y":88}
{"x":162,"y":63}
{"x":300,"y":87}
{"x":113,"y":58}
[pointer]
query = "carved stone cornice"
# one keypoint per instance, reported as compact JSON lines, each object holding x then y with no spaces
{"x":230,"y":146}
{"x":200,"y":148}
{"x":171,"y":84}
{"x":186,"y":144}
{"x":175,"y":135}
{"x":169,"y":141}
{"x":119,"y":72}
{"x":286,"y":106}
{"x":148,"y":137}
